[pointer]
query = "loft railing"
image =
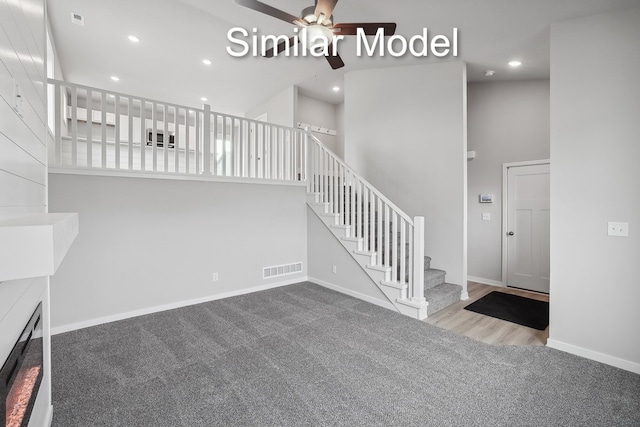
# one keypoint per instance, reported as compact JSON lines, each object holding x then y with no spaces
{"x":105,"y":130}
{"x":393,"y":240}
{"x":97,"y":129}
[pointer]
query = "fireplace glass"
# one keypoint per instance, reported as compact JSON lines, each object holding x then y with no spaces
{"x":21,"y":375}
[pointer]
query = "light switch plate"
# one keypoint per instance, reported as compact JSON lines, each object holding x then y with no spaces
{"x":486,"y":216}
{"x":618,"y":229}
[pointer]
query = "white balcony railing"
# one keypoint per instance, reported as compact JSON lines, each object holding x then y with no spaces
{"x":97,"y":129}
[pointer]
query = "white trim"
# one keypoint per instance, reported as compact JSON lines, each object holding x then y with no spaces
{"x":627,"y":365}
{"x":177,"y":177}
{"x":486,"y":281}
{"x":49,"y":418}
{"x":358,"y":295}
{"x":505,"y":171}
{"x":164,"y":307}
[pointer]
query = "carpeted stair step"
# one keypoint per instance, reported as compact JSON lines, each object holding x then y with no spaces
{"x":433,"y":277}
{"x":442,"y":296}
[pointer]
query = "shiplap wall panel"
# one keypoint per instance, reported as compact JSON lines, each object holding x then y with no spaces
{"x":31,"y":56}
{"x":19,"y":191}
{"x":11,"y":68}
{"x":22,"y":135}
{"x":22,"y":140}
{"x":18,"y":162}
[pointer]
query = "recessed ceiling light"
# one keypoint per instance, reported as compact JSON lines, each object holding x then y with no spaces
{"x":489,"y":73}
{"x":206,"y":61}
{"x":134,"y":39}
{"x":115,"y":78}
{"x":515,"y":63}
{"x":203,"y":99}
{"x":336,"y":89}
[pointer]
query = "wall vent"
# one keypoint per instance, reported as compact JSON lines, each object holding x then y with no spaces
{"x":281,"y":270}
{"x":77,"y":19}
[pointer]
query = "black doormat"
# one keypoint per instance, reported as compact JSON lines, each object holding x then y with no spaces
{"x":513,"y":308}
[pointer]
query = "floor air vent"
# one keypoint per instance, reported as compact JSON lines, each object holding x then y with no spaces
{"x":281,"y":270}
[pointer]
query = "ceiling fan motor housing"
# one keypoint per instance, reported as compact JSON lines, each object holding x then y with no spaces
{"x":309,"y":15}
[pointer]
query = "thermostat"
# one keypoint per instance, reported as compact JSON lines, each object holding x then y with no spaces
{"x":486,"y":198}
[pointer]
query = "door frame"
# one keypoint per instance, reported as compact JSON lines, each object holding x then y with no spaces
{"x":505,"y":208}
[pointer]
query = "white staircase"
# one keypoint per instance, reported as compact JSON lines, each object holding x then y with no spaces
{"x":382,"y":239}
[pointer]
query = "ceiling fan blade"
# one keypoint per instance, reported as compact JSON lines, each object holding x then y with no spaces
{"x":370,"y":28}
{"x":282,"y":46}
{"x":269,"y":10}
{"x":335,"y":61}
{"x":325,"y":7}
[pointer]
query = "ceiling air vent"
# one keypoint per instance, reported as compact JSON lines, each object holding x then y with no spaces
{"x":77,"y":19}
{"x":281,"y":270}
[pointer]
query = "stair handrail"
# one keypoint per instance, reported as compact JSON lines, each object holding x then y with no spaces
{"x":371,"y":187}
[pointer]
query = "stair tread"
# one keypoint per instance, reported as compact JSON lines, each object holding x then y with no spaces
{"x":442,"y":296}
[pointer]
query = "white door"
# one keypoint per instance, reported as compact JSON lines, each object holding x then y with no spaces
{"x":528,"y":227}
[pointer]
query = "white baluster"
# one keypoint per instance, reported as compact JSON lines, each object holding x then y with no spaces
{"x":74,"y":127}
{"x":89,"y":128}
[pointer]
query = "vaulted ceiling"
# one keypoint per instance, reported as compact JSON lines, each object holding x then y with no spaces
{"x":176,"y":35}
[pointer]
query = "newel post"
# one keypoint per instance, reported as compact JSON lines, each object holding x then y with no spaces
{"x":418,"y":260}
{"x":206,"y":140}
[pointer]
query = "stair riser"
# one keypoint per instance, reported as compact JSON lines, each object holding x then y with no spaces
{"x":434,"y":281}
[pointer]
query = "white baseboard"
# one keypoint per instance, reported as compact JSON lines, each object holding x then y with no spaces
{"x":367,"y":298}
{"x":486,"y":281}
{"x":594,"y":355}
{"x":127,"y":315}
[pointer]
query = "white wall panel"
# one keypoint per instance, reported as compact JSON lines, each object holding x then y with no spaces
{"x":595,"y":105}
{"x":148,"y":243}
{"x":22,"y":150}
{"x":408,"y":138}
{"x":23,"y":136}
{"x":18,"y":162}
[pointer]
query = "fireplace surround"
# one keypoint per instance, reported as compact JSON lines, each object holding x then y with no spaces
{"x":21,"y":374}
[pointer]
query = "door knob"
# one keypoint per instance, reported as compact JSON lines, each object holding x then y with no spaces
{"x":511,"y":233}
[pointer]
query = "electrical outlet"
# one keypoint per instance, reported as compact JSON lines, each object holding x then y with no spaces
{"x":619,"y":229}
{"x":486,"y":216}
{"x":215,"y":277}
{"x":334,"y":269}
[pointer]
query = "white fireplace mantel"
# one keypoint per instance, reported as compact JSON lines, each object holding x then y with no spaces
{"x":34,"y":245}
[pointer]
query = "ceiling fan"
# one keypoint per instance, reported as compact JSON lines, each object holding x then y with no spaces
{"x":318,"y":20}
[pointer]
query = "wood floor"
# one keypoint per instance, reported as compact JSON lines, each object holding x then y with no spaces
{"x":489,"y":329}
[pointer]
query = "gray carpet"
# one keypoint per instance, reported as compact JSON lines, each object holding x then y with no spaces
{"x":303,"y":355}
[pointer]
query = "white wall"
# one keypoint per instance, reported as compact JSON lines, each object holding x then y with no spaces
{"x":405,"y":132}
{"x":148,"y":243}
{"x":324,"y":252}
{"x":23,"y":171}
{"x":319,"y":113}
{"x":507,"y":122}
{"x":280,"y":108}
{"x":340,"y":129}
{"x":595,"y":149}
{"x":23,"y":167}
